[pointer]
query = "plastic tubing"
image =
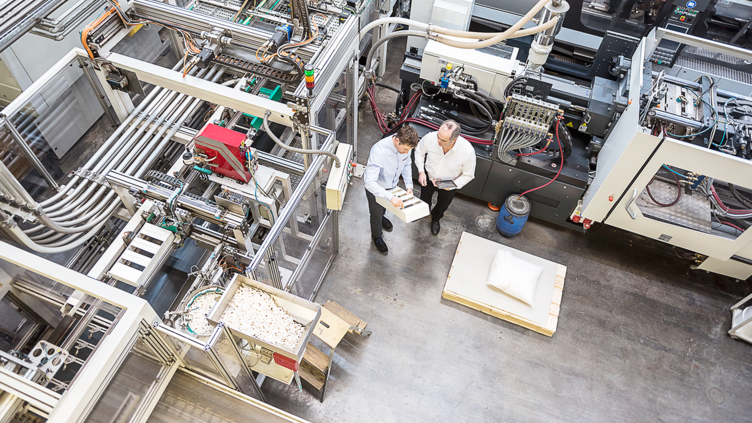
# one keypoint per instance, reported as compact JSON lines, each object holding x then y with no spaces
{"x":175,"y":127}
{"x":125,"y":144}
{"x":106,"y":146}
{"x":448,"y":41}
{"x":112,"y":151}
{"x":294,"y":149}
{"x":52,"y":250}
{"x":498,"y":36}
{"x":157,"y":143}
{"x":159,"y":103}
{"x":501,"y":37}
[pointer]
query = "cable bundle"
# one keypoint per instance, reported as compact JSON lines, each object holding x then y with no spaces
{"x":526,"y":122}
{"x":405,"y":118}
{"x":81,"y":207}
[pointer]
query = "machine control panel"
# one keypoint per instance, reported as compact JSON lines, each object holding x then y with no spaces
{"x":684,"y":14}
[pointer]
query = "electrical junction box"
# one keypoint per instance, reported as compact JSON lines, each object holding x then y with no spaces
{"x":223,"y":147}
{"x":339,"y":178}
{"x":493,"y":72}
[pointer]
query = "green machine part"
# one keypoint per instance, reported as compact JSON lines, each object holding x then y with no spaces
{"x":275,"y":94}
{"x":202,"y":170}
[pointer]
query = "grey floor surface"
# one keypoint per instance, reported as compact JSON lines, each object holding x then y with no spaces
{"x":641,"y":337}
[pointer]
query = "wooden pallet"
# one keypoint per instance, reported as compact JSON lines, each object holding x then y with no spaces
{"x":553,"y":314}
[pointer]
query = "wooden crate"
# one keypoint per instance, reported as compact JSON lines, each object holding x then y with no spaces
{"x":553,"y":314}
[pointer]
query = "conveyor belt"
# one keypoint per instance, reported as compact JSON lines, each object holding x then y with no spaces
{"x":257,"y":68}
{"x":713,"y":63}
{"x":187,"y":400}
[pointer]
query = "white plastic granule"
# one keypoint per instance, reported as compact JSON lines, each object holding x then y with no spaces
{"x":197,"y":311}
{"x":254,"y":312}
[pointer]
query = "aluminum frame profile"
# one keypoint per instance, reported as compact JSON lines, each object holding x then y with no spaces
{"x":15,"y":29}
{"x":86,"y":389}
{"x":332,"y":59}
{"x":204,"y":90}
{"x":292,"y":203}
{"x":198,"y":207}
{"x":242,"y":35}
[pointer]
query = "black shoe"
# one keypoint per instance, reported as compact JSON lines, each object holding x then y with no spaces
{"x":435,"y":227}
{"x":386,"y":224}
{"x":381,"y":245}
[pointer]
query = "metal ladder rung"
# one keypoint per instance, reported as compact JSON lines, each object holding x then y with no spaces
{"x":145,"y":245}
{"x":134,"y":257}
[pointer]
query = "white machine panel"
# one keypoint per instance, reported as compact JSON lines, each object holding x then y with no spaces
{"x":629,"y":161}
{"x":339,"y":178}
{"x":493,"y":73}
{"x":453,"y":14}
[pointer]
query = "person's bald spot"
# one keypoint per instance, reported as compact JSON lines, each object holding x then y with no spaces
{"x":445,"y":133}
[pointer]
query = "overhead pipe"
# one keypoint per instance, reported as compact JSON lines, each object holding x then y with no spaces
{"x":57,"y":228}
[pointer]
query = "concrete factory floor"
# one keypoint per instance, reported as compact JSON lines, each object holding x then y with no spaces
{"x":640,"y":336}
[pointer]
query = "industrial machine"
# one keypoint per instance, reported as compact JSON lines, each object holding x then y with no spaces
{"x":657,"y":150}
{"x":228,"y":156}
{"x":223,"y":154}
{"x":576,"y":52}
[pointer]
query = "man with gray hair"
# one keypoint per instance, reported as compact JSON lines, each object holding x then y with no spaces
{"x":446,"y":163}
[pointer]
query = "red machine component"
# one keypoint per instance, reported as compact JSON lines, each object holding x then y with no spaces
{"x":222,"y":146}
{"x":286,"y":362}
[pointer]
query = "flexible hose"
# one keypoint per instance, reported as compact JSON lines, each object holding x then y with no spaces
{"x":678,"y":195}
{"x":499,"y":38}
{"x":106,"y":147}
{"x":508,"y":34}
{"x":52,"y":250}
{"x":294,"y":149}
{"x":388,"y":87}
{"x":451,"y":32}
{"x":745,"y":202}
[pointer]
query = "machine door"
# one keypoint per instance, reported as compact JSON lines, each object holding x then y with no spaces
{"x":707,"y":218}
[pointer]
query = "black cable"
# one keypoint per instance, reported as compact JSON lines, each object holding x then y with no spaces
{"x":516,"y":81}
{"x":401,"y":97}
{"x":484,"y":109}
{"x":466,"y":128}
{"x":491,"y":102}
{"x":423,"y":88}
{"x":566,"y":139}
{"x":678,"y":195}
{"x":388,"y":87}
{"x":466,"y":124}
{"x":481,"y":102}
{"x":460,"y":119}
{"x":745,"y":202}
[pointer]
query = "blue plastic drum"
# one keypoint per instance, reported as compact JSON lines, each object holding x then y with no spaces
{"x":513,"y":215}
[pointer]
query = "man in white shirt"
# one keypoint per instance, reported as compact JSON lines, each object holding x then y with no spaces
{"x":450,"y":158}
{"x":389,"y":158}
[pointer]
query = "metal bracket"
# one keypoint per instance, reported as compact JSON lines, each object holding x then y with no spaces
{"x":629,"y":203}
{"x":92,"y":176}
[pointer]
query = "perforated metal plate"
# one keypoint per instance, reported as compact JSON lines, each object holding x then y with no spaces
{"x":692,"y":211}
